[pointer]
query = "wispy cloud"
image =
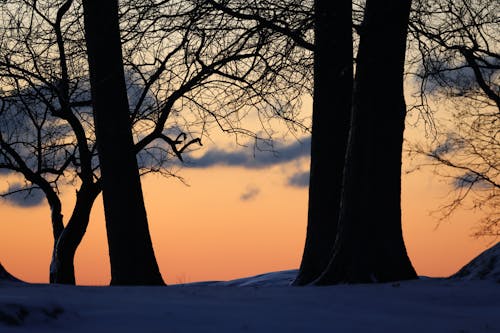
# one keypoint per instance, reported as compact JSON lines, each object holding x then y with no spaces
{"x":299,"y":179}
{"x":460,"y":77}
{"x":470,"y":179}
{"x":253,"y":159}
{"x":250,"y":193}
{"x":23,"y":197}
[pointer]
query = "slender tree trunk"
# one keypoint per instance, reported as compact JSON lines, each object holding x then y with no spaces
{"x":370,"y":246}
{"x":62,"y":266}
{"x":56,"y":219}
{"x":333,"y":76}
{"x":130,"y":248}
{"x":57,"y":229}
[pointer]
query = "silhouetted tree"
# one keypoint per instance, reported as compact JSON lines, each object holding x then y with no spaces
{"x":333,"y":79}
{"x":212,"y":71}
{"x":369,"y":246}
{"x":42,"y":137}
{"x":382,"y":123}
{"x":130,"y":248}
{"x":456,"y":62}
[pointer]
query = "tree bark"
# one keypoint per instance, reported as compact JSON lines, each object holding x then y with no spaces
{"x":130,"y":248}
{"x":333,"y":76}
{"x":370,"y":246}
{"x":62,"y":269}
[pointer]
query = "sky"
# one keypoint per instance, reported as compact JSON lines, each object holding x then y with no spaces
{"x":239,"y":213}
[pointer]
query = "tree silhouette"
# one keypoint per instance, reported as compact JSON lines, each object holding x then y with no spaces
{"x":199,"y":71}
{"x":344,"y":190}
{"x":42,"y":137}
{"x":130,"y":248}
{"x":369,"y":246}
{"x":456,"y":63}
{"x":333,"y":78}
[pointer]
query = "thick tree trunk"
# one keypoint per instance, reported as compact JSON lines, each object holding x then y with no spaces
{"x":62,"y":267}
{"x":130,"y":248}
{"x":333,"y":76}
{"x":370,"y":246}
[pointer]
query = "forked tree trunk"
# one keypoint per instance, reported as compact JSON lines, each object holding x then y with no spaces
{"x":370,"y":246}
{"x":130,"y":248}
{"x":62,"y":266}
{"x":333,"y":75}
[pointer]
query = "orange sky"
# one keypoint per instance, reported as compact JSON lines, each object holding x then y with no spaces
{"x":206,"y":232}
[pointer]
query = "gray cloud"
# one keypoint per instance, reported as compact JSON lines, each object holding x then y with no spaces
{"x":470,"y":179}
{"x":26,"y":198}
{"x":250,"y":193}
{"x":452,"y":144}
{"x":253,"y":160}
{"x":300,"y":179}
{"x":460,"y":76}
{"x":5,"y":171}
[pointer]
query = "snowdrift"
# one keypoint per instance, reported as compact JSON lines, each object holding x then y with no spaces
{"x":485,"y":266}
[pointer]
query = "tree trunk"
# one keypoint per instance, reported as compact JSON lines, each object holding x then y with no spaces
{"x":57,"y":229}
{"x":62,"y":267}
{"x":56,"y":219}
{"x":333,"y":76}
{"x":370,"y":246}
{"x":130,"y":248}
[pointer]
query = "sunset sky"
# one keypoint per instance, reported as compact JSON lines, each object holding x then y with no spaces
{"x":242,"y":212}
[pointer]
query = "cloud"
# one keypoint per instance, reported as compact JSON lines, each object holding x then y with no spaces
{"x":27,"y":198}
{"x":300,"y":179}
{"x":250,"y":193}
{"x":452,"y":144}
{"x":254,"y":160}
{"x":470,"y":179}
{"x":458,"y":76}
{"x":5,"y":171}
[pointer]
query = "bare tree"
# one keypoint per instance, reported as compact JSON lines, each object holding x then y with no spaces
{"x":43,"y":136}
{"x":130,"y":247}
{"x":457,"y":67}
{"x":333,"y":83}
{"x":340,"y":217}
{"x":369,"y":246}
{"x":184,"y":74}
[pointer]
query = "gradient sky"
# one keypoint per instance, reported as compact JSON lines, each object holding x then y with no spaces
{"x":242,"y":214}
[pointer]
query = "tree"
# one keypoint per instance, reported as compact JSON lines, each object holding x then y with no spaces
{"x":131,"y":254}
{"x":130,"y":248}
{"x":41,"y":137}
{"x":369,"y":246}
{"x":333,"y":78}
{"x":456,"y":65}
{"x":328,"y":229}
{"x":214,"y":75}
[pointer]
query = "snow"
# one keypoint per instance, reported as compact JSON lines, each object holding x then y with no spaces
{"x":254,"y":305}
{"x":485,"y":266}
{"x":465,"y":303}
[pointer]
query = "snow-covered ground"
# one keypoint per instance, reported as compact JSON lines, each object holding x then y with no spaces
{"x":264,"y":303}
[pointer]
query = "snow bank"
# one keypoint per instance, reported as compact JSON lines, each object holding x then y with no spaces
{"x":6,"y":276}
{"x":485,"y":266}
{"x":431,"y":306}
{"x":274,"y":279}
